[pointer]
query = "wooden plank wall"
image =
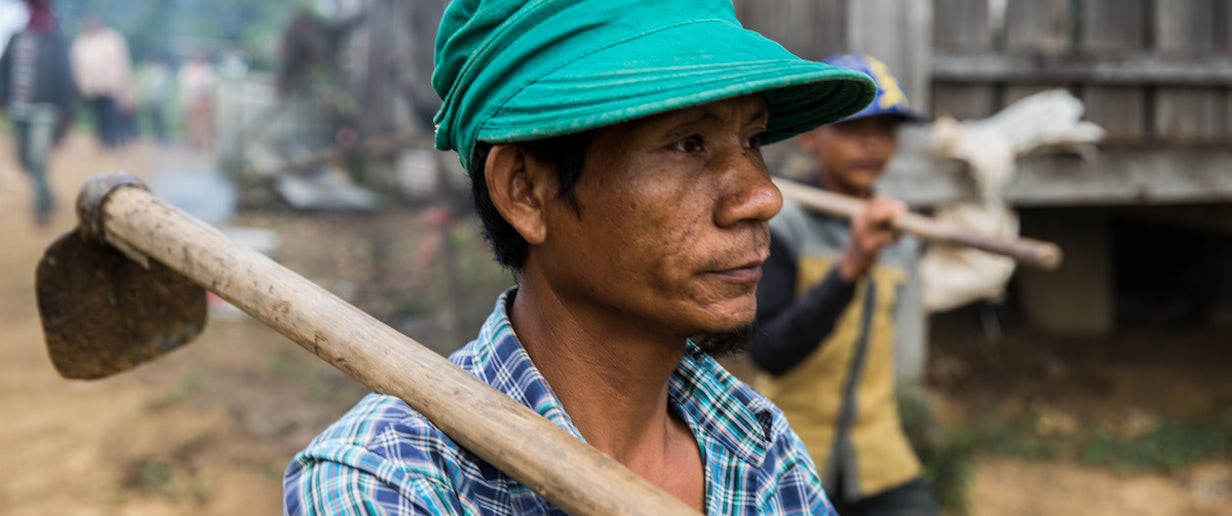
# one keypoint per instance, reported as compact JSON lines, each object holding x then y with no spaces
{"x":1188,"y":113}
{"x":1039,"y":27}
{"x":1163,"y":111}
{"x":812,"y":29}
{"x":1121,"y":110}
{"x":962,"y":26}
{"x":892,"y":30}
{"x":1179,"y":111}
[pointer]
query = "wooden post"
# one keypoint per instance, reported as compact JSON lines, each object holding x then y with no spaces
{"x":898,"y":33}
{"x":1115,"y":27}
{"x":1036,"y":27}
{"x":965,"y":27}
{"x":1188,"y":113}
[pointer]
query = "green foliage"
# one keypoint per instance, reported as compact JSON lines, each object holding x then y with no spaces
{"x":947,"y":457}
{"x":189,"y":385}
{"x":1166,"y":446}
{"x":1172,"y":445}
{"x":949,"y":464}
{"x":159,"y":477}
{"x":152,"y":476}
{"x":1014,"y":438}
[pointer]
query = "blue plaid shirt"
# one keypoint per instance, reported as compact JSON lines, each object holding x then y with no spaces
{"x":383,"y":457}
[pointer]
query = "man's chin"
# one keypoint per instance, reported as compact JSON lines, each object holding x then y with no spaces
{"x":719,"y":344}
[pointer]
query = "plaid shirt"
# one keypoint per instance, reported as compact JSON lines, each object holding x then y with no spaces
{"x":385,"y":458}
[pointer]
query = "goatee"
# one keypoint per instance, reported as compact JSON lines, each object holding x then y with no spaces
{"x":725,"y":343}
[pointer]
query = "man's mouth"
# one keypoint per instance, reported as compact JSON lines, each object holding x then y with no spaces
{"x":748,"y":272}
{"x":868,"y":164}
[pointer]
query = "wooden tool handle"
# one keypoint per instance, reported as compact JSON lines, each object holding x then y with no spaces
{"x":1033,"y":253}
{"x":510,"y":436}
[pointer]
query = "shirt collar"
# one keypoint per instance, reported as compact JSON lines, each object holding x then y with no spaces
{"x":498,"y":358}
{"x":718,"y":407}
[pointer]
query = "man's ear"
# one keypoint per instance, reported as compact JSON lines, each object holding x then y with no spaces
{"x":519,"y":187}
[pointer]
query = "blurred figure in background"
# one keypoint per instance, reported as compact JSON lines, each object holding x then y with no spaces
{"x":155,"y":89}
{"x":233,"y":65}
{"x":196,"y":81}
{"x":103,"y":69}
{"x":38,"y":96}
{"x":836,"y":301}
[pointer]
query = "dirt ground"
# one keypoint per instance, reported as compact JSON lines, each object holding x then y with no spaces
{"x":1136,"y":383}
{"x":209,"y":428}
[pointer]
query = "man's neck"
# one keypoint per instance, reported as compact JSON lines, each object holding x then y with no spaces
{"x":611,"y":378}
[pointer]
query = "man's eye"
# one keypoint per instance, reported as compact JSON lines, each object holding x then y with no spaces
{"x":690,"y":144}
{"x":755,"y":141}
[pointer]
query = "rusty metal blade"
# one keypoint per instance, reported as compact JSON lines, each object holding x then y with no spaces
{"x":103,"y":313}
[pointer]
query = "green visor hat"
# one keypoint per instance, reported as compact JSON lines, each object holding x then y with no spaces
{"x":522,"y":70}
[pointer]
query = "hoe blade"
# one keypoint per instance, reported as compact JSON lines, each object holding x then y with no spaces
{"x":104,"y":313}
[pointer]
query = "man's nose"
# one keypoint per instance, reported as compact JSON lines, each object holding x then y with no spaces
{"x":747,"y":194}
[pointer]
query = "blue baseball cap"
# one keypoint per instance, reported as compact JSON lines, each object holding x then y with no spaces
{"x":890,"y":99}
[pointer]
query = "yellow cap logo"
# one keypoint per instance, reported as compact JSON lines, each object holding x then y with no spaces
{"x":891,"y":94}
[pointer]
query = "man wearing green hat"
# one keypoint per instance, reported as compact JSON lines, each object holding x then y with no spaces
{"x":614,"y":152}
{"x":837,"y":301}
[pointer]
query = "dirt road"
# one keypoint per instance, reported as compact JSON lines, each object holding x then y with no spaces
{"x":209,"y":429}
{"x":206,"y":431}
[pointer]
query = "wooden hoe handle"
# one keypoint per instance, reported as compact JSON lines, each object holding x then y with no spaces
{"x":1033,"y":253}
{"x":510,"y":436}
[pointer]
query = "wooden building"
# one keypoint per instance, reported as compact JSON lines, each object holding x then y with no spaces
{"x":1147,"y":223}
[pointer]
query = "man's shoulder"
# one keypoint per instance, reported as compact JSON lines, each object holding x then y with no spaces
{"x":386,"y":439}
{"x":389,"y":428}
{"x":385,"y":452}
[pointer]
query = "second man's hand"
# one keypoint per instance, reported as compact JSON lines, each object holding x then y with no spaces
{"x":871,"y":231}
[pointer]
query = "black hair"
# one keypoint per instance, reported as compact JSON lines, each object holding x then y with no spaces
{"x":567,"y":153}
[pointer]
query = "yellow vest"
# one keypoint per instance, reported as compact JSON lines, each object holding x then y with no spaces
{"x":873,"y":454}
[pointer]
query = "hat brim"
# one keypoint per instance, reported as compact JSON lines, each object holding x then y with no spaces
{"x":677,"y":67}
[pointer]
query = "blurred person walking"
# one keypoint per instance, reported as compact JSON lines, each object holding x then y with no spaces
{"x":197,"y":80}
{"x":155,"y":90}
{"x":38,"y":96}
{"x":836,"y":302}
{"x":103,"y":69}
